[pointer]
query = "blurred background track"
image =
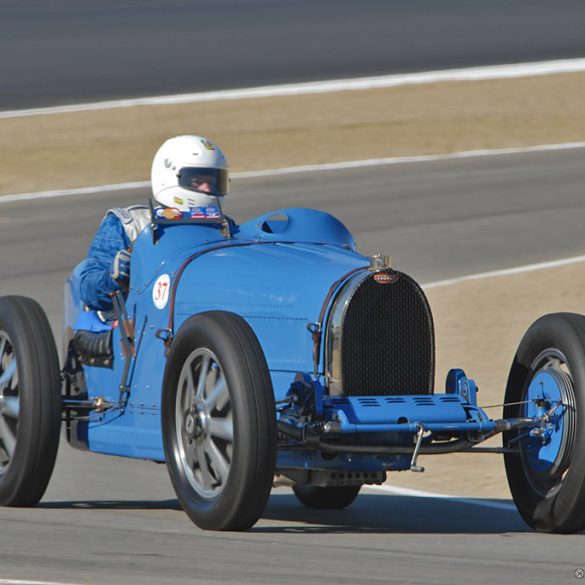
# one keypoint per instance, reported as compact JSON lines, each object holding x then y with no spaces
{"x":70,"y":51}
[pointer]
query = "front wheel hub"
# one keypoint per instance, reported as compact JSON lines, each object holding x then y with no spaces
{"x":549,"y":444}
{"x":195,"y":423}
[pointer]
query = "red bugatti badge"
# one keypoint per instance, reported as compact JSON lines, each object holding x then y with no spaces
{"x":386,"y":277}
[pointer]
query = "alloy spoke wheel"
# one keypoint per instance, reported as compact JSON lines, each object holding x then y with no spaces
{"x":205,"y":430}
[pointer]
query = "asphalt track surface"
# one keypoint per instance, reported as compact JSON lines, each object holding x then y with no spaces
{"x":72,"y":51}
{"x":110,"y":520}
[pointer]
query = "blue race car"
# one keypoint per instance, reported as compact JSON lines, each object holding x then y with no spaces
{"x":272,"y":351}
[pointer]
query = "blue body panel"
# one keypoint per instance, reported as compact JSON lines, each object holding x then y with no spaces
{"x":276,"y":281}
{"x":277,"y":288}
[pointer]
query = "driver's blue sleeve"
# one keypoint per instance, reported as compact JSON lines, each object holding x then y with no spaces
{"x":96,"y":283}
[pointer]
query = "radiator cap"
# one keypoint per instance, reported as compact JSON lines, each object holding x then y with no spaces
{"x":379,"y":262}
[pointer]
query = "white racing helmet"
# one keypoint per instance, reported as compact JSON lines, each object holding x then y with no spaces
{"x":189,"y":171}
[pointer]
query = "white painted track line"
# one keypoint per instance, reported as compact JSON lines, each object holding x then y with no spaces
{"x":410,"y":159}
{"x":507,"y":271}
{"x":456,"y":499}
{"x":10,"y":198}
{"x":364,"y":83}
{"x":21,"y":582}
{"x":99,"y":189}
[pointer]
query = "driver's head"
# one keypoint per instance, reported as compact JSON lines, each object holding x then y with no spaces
{"x":189,"y":171}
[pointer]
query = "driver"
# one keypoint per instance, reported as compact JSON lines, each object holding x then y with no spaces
{"x":187,"y":172}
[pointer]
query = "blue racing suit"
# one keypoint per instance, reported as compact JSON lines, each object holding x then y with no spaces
{"x":118,"y":230}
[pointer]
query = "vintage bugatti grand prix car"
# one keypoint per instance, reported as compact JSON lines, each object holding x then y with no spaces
{"x":274,"y":350}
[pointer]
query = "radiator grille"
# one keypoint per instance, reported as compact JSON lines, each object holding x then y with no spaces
{"x":387,"y":339}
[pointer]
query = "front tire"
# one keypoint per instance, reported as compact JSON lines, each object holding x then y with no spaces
{"x":30,"y":402}
{"x":546,"y":474}
{"x":326,"y":497}
{"x":219,"y":422}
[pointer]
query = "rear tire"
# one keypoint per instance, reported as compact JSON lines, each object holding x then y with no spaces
{"x":326,"y":497}
{"x":30,"y":401}
{"x":547,"y":475}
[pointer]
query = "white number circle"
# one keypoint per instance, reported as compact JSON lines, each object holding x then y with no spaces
{"x":161,"y":290}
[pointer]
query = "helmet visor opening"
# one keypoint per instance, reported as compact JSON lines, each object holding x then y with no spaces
{"x":210,"y":181}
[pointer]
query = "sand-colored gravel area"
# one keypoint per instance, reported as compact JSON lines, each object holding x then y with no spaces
{"x":117,"y":145}
{"x":478,"y":323}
